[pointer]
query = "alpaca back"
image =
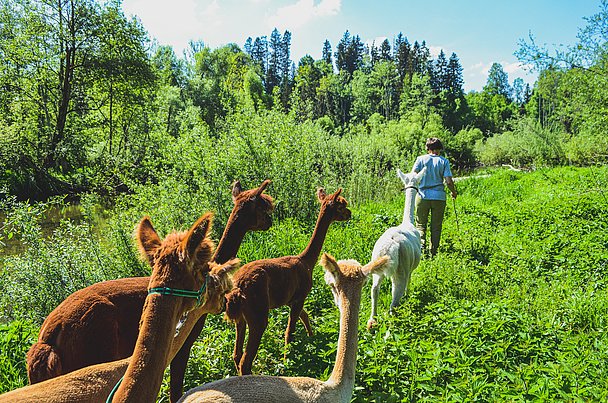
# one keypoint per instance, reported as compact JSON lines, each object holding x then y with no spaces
{"x":402,"y":246}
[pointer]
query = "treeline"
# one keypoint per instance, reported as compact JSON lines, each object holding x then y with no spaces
{"x":89,"y":102}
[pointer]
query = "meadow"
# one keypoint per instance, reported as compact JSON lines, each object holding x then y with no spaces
{"x":513,"y":308}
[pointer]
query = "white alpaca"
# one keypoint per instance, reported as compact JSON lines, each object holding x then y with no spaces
{"x":346,"y":279}
{"x":401,"y":244}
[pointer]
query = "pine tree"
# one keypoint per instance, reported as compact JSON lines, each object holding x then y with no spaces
{"x":439,"y":73}
{"x":454,"y":80}
{"x":498,"y":82}
{"x":259,"y":54}
{"x":385,"y":50}
{"x":248,"y":47}
{"x":273,"y":71}
{"x":326,"y":55}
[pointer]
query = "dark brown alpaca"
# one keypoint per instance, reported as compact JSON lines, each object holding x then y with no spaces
{"x":100,"y":323}
{"x":270,"y":283}
{"x":251,"y":212}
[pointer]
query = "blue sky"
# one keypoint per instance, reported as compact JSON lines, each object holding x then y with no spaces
{"x":480,"y":32}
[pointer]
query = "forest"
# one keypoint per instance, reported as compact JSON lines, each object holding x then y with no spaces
{"x":101,"y":125}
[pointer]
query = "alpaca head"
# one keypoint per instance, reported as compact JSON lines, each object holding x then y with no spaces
{"x":334,"y":204}
{"x":412,"y":179}
{"x":345,"y":275}
{"x":219,"y":282}
{"x":253,"y":205}
{"x":181,"y":259}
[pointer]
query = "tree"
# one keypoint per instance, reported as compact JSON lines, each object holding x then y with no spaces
{"x":385,"y":50}
{"x":498,"y":82}
{"x":326,"y":54}
{"x":439,"y":73}
{"x":349,"y":53}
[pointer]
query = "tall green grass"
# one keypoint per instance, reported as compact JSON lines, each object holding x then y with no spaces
{"x":513,"y":308}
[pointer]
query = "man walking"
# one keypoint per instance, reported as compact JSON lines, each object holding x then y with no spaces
{"x":432,"y":197}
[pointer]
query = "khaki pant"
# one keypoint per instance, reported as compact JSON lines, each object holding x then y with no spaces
{"x":436,"y":208}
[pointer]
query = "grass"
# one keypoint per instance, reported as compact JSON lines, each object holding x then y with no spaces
{"x":513,"y":308}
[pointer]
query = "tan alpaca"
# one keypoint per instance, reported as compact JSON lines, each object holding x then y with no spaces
{"x":100,"y":323}
{"x":346,"y":278}
{"x":179,"y":262}
{"x":266,"y":284}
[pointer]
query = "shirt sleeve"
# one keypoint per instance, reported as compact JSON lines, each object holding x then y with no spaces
{"x":446,"y":170}
{"x":417,"y":165}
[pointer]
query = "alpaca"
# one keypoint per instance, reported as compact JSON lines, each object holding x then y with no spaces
{"x":251,"y":212}
{"x":180,"y":263}
{"x":262,"y":285}
{"x":402,"y":246}
{"x":100,"y":323}
{"x":346,"y":279}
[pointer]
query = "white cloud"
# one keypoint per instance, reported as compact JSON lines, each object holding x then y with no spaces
{"x":302,"y":12}
{"x":476,"y":75}
{"x":435,"y":50}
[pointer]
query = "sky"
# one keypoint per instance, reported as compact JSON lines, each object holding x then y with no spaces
{"x":480,"y":32}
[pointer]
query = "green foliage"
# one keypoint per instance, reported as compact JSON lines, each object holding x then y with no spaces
{"x":15,"y":339}
{"x":528,"y":144}
{"x":511,"y":309}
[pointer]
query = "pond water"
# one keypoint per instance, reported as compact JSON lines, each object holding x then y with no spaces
{"x":48,"y":223}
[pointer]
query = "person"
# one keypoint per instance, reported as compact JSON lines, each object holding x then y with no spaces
{"x":432,"y":196}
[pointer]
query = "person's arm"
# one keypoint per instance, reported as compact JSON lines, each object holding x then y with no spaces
{"x":450,"y":182}
{"x":417,"y":166}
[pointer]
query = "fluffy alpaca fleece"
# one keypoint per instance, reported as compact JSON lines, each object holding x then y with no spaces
{"x":401,"y":244}
{"x":100,"y":323}
{"x":346,"y":278}
{"x":270,"y":283}
{"x":179,"y":262}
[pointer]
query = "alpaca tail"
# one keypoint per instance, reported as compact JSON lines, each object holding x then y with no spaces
{"x":234,"y":304}
{"x":43,"y":363}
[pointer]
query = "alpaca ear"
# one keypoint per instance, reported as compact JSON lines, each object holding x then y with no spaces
{"x":321,"y":195}
{"x":197,"y":233}
{"x":400,"y":174}
{"x":263,"y":187}
{"x":227,"y":268}
{"x":376,"y":266}
{"x":335,"y":195}
{"x":329,"y":264}
{"x":236,"y":190}
{"x":147,"y":239}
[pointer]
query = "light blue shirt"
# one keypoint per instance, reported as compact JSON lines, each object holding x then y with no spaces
{"x":437,"y":167}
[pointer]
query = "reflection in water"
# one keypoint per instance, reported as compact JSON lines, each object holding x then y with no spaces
{"x":48,"y":223}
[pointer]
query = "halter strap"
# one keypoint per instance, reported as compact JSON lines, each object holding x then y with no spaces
{"x":413,"y":187}
{"x":168,"y":291}
{"x":198,"y":295}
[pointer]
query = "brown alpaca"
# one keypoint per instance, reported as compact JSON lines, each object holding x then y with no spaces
{"x":100,"y":323}
{"x":251,"y":212}
{"x":180,"y":262}
{"x":270,"y":283}
{"x":346,"y":279}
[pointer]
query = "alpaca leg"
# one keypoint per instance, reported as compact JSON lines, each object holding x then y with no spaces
{"x":294,"y":314}
{"x":178,"y":365}
{"x":399,"y":286}
{"x":238,"y":343}
{"x":306,"y":322}
{"x":377,"y":279}
{"x":256,"y":330}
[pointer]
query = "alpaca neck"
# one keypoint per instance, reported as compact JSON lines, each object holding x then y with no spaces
{"x":343,"y":375}
{"x":408,"y":210}
{"x":144,"y":374}
{"x":313,"y":249}
{"x":231,"y":239}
